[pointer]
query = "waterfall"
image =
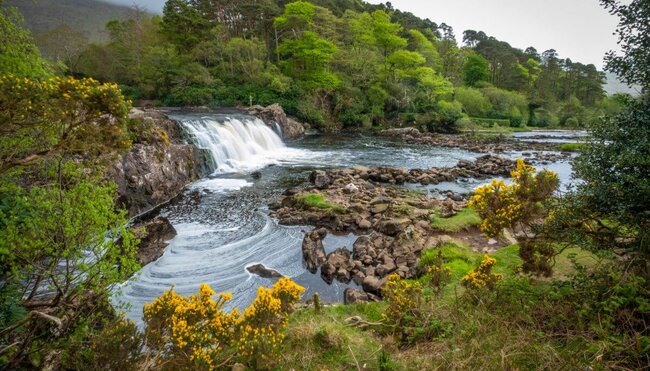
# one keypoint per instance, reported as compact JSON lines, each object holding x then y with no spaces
{"x":234,"y":143}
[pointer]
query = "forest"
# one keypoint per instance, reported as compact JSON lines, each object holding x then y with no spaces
{"x":515,"y":263}
{"x":334,"y":65}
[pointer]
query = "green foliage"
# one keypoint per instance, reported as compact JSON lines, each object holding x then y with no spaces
{"x":633,"y":65}
{"x":571,"y":147}
{"x":446,"y":115}
{"x":58,"y":117}
{"x":18,"y":53}
{"x":307,"y":59}
{"x":614,"y":166}
{"x":476,"y":69}
{"x":474,"y":103}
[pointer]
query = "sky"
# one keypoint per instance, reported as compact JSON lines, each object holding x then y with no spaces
{"x":577,"y":29}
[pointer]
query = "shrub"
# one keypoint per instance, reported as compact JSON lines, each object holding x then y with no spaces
{"x":403,"y":311}
{"x":473,"y":101}
{"x":503,"y":206}
{"x":482,"y":275}
{"x":438,"y":275}
{"x":195,"y":332}
{"x":446,"y":115}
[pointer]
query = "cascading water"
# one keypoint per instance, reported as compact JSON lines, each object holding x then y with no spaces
{"x":235,"y":143}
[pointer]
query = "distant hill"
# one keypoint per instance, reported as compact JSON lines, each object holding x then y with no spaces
{"x":89,"y":16}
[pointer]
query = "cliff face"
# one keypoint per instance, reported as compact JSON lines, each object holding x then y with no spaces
{"x":158,"y":166}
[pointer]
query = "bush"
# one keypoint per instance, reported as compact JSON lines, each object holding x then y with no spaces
{"x":504,"y":206}
{"x":446,"y":115}
{"x":473,"y":101}
{"x":482,"y":275}
{"x":195,"y":332}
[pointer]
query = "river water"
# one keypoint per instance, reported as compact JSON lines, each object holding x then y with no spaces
{"x":222,"y":220}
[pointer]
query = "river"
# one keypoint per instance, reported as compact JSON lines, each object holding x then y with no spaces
{"x":222,"y":220}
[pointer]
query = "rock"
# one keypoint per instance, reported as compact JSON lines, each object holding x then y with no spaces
{"x":320,"y":179}
{"x":492,"y":241}
{"x":398,"y":132}
{"x":373,"y":284}
{"x":274,"y":114}
{"x":155,"y":170}
{"x":364,"y":224}
{"x":338,"y":266}
{"x":379,"y":208}
{"x":256,"y":174}
{"x":313,"y":252}
{"x":392,"y":227}
{"x":353,"y":296}
{"x":153,"y":235}
{"x":264,"y":272}
{"x":351,"y":188}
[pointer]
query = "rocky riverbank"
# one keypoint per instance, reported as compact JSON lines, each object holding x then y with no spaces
{"x":393,"y":223}
{"x":534,"y":152}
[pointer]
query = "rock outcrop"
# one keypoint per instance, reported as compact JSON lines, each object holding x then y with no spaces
{"x":153,"y":235}
{"x":274,"y":114}
{"x":313,"y":252}
{"x":158,"y":166}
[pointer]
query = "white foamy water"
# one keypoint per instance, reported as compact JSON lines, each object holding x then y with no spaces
{"x":238,"y":144}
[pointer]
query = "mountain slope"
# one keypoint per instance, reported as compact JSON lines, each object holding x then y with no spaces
{"x":89,"y":16}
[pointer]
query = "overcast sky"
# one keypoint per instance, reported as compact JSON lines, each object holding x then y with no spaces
{"x":577,"y":29}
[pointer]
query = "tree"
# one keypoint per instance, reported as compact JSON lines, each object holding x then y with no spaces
{"x":183,"y":24}
{"x":63,"y":246}
{"x":476,"y":69}
{"x":18,"y":53}
{"x":307,"y":58}
{"x":633,"y":66}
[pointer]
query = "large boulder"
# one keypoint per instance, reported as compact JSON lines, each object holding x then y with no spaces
{"x":274,"y":114}
{"x":353,"y":296}
{"x":153,"y":235}
{"x":313,"y":252}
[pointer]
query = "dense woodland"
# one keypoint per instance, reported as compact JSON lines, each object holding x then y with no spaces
{"x":333,"y":64}
{"x":65,"y":247}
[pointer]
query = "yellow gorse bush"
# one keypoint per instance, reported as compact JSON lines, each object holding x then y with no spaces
{"x":403,"y":299}
{"x":482,"y":276}
{"x":502,"y":206}
{"x":195,"y":332}
{"x":62,"y":115}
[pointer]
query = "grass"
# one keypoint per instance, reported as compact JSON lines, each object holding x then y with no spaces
{"x":323,"y":341}
{"x":571,"y":147}
{"x":499,"y":333}
{"x":317,"y":201}
{"x":463,"y":220}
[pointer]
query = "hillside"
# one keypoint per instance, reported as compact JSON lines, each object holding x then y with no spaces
{"x":88,"y":15}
